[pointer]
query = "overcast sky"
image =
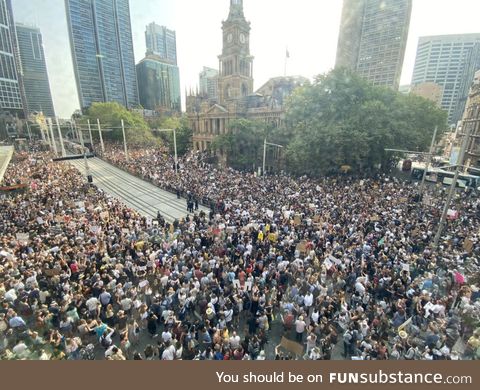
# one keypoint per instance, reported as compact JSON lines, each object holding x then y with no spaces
{"x":309,"y":28}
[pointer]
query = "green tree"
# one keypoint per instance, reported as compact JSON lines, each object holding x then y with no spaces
{"x":340,"y":119}
{"x":110,"y":115}
{"x":183,"y":132}
{"x":243,"y":143}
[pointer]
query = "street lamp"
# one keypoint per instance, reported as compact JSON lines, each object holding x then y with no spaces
{"x":174,"y":145}
{"x":453,"y":185}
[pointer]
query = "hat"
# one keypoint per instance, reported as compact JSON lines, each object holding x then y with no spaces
{"x":209,"y":311}
{"x":403,"y":334}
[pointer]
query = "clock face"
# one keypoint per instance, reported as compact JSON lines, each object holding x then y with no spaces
{"x":229,"y":38}
{"x":242,"y":38}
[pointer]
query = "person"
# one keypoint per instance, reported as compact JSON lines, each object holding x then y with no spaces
{"x":152,"y":324}
{"x":300,"y":326}
{"x":333,"y":250}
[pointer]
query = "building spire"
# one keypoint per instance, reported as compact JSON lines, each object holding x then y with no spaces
{"x":236,"y":10}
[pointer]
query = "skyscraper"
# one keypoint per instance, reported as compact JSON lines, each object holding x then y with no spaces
{"x":158,"y":85}
{"x":10,"y":96}
{"x":102,"y":51}
{"x":34,"y":71}
{"x":157,"y":74}
{"x":373,"y":37}
{"x":161,"y":42}
{"x":449,"y":61}
{"x":208,"y":80}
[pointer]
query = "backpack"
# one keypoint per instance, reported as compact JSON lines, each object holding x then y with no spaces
{"x":104,"y":342}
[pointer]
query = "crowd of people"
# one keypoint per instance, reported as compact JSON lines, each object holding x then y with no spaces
{"x":280,"y":268}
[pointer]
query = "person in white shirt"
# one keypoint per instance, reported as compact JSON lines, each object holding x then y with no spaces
{"x":166,"y":336}
{"x":300,"y":326}
{"x":93,"y":305}
{"x":169,"y":353}
{"x":234,"y":341}
{"x":126,"y":304}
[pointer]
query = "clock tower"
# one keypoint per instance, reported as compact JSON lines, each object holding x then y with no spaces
{"x":236,"y":64}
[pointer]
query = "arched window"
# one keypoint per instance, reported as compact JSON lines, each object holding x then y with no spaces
{"x":244,"y":90}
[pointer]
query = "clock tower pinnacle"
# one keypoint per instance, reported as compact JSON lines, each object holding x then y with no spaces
{"x":236,"y":64}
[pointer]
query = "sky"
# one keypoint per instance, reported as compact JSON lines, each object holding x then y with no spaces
{"x":308,"y":28}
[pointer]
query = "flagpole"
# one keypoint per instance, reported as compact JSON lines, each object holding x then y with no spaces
{"x":287,"y":56}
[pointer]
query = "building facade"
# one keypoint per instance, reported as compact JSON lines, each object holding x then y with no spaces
{"x":102,"y":51}
{"x":373,"y":38}
{"x":430,"y":91}
{"x":158,"y":85}
{"x":161,"y":42}
{"x":208,"y":81}
{"x":34,"y":71}
{"x":10,"y":86}
{"x":158,"y":75}
{"x":471,"y":118}
{"x":210,"y":118}
{"x":449,"y":61}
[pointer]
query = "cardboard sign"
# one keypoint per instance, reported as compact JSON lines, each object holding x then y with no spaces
{"x":23,"y":238}
{"x":302,"y":246}
{"x":105,"y":215}
{"x":468,"y":245}
{"x":334,"y":260}
{"x":328,"y":263}
{"x":51,"y":272}
{"x":452,"y":214}
{"x":291,"y":346}
{"x":94,"y":229}
{"x":297,"y":220}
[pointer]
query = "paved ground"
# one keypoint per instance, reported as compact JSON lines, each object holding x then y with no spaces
{"x":6,"y":153}
{"x":136,"y":193}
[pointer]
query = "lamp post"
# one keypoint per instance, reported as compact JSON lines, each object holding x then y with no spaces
{"x":100,"y":134}
{"x":124,"y":141}
{"x":90,"y":133}
{"x":61,"y":138}
{"x":453,"y":185}
{"x":174,"y":145}
{"x":52,"y":136}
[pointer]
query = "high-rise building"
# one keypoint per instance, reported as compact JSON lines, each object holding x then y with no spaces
{"x":158,"y":85}
{"x":10,"y":94}
{"x":430,"y":91}
{"x":161,"y":42}
{"x":157,"y":74}
{"x":449,"y":61}
{"x":373,"y":37}
{"x":102,"y":51}
{"x":34,"y":71}
{"x":208,"y":80}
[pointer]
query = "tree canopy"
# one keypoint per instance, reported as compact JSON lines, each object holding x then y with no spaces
{"x":243,"y":143}
{"x":110,"y":116}
{"x":183,"y":132}
{"x":340,"y":119}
